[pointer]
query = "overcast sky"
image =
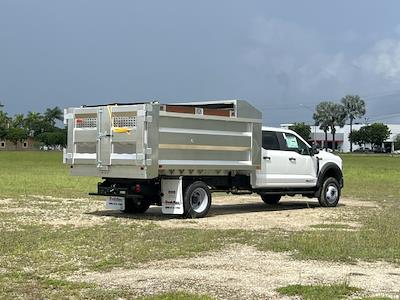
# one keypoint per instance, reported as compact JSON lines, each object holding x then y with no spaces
{"x":282,"y":56}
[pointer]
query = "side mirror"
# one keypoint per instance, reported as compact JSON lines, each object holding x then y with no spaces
{"x":314,"y":149}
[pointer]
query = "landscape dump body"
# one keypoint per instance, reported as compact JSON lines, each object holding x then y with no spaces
{"x":149,"y":140}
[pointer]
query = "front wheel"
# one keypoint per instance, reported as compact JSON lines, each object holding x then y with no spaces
{"x":270,"y":199}
{"x":197,"y":200}
{"x":330,"y":193}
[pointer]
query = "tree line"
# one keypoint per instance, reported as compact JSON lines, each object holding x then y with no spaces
{"x":329,"y":115}
{"x":42,"y":127}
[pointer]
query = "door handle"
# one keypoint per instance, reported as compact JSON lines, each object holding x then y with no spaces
{"x":292,"y":159}
{"x":266,"y":157}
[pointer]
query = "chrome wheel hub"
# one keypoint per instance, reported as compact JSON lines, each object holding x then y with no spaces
{"x":332,"y":194}
{"x":199,"y":200}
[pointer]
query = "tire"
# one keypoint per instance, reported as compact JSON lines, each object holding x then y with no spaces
{"x":136,"y":205}
{"x":270,"y":199}
{"x":330,"y":193}
{"x":197,"y":200}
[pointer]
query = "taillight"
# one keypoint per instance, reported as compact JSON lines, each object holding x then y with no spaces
{"x":138,"y":188}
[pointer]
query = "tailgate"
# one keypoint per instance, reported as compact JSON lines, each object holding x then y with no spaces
{"x":113,"y":141}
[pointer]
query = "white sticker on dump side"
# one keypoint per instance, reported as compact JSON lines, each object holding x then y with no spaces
{"x":115,"y":203}
{"x":172,"y":199}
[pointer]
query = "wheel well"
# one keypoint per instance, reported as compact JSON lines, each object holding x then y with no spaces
{"x":329,"y":171}
{"x":332,"y":173}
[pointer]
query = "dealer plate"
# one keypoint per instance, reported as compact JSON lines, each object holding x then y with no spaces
{"x":115,"y":203}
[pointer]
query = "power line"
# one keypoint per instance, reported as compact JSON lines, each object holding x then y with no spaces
{"x":385,"y":116}
{"x":377,"y":97}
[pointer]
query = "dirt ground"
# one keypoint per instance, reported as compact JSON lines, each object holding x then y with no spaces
{"x":250,"y":213}
{"x":237,"y":272}
{"x":242,"y":272}
{"x":227,"y":212}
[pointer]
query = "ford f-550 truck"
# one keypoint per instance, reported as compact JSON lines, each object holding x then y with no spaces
{"x":176,"y":155}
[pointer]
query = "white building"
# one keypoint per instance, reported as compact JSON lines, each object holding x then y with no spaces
{"x":342,"y":137}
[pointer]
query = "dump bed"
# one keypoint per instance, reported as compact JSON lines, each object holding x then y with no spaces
{"x":147,"y":140}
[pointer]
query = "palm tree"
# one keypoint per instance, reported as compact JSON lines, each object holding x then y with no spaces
{"x":18,"y":121}
{"x":34,"y":123}
{"x":355,"y":108}
{"x":328,"y":115}
{"x":4,"y":124}
{"x":53,"y":114}
{"x":338,"y":118}
{"x":321,"y":117}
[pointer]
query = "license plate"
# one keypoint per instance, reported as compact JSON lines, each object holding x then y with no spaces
{"x":115,"y":203}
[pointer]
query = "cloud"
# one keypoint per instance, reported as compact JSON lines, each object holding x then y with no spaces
{"x":383,"y":59}
{"x":397,"y":29}
{"x":293,"y":56}
{"x":300,"y":60}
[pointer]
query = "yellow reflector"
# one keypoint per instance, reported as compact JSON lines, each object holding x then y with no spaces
{"x":122,"y":130}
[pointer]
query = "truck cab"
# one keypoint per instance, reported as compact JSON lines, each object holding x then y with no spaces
{"x":289,"y":166}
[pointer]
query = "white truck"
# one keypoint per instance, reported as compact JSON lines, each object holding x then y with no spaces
{"x":176,"y":155}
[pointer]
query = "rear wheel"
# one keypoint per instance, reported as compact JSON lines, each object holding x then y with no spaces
{"x":330,"y":193}
{"x":136,"y":205}
{"x":197,"y":200}
{"x":270,"y":199}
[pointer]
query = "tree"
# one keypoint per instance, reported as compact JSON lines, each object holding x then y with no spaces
{"x":302,"y":129}
{"x":53,"y":114}
{"x":355,"y":137}
{"x":4,"y":124}
{"x":35,"y":124}
{"x":328,"y":115}
{"x":57,"y":137}
{"x":355,"y":108}
{"x":378,"y":133}
{"x":16,"y":135}
{"x":321,"y":116}
{"x":360,"y":137}
{"x":337,"y":118}
{"x":18,"y":121}
{"x":374,"y":134}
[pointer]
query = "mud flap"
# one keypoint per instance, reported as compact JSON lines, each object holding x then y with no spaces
{"x":172,"y":196}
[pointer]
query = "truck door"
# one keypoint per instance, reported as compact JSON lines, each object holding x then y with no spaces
{"x":301,"y":166}
{"x":273,"y":162}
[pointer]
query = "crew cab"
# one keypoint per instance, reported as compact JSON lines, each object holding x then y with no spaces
{"x":290,"y":166}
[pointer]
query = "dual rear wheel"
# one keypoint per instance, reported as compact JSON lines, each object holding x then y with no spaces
{"x":196,"y":201}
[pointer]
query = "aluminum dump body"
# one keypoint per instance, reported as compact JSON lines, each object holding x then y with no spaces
{"x":149,"y":140}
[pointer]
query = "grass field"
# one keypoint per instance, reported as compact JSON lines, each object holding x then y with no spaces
{"x":39,"y":253}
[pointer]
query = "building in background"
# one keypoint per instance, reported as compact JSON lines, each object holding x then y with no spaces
{"x":28,"y":144}
{"x":342,"y":137}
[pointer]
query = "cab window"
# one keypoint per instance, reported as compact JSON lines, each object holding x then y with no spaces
{"x":270,"y":140}
{"x":293,"y":143}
